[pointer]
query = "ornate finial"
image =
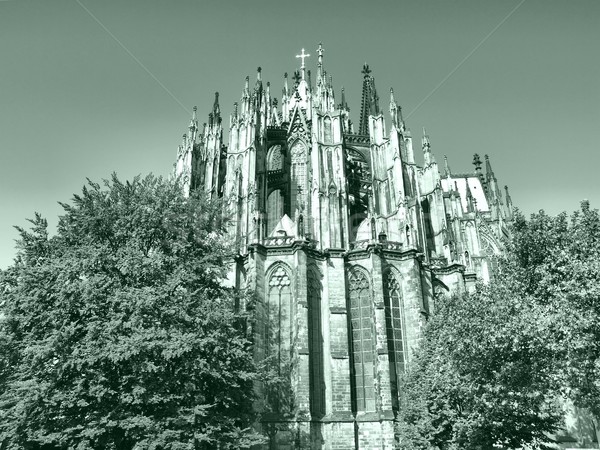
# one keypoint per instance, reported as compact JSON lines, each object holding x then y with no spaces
{"x":508,"y":199}
{"x":194,"y":110}
{"x":425,"y":140}
{"x":319,"y":63}
{"x":446,"y":166}
{"x":477,"y":163}
{"x":343,"y":104}
{"x":365,"y":70}
{"x":216,"y":107}
{"x":489,"y":173}
{"x":393,"y":108}
{"x":285,"y":84}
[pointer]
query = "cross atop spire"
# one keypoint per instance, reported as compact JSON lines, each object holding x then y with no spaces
{"x":302,"y":55}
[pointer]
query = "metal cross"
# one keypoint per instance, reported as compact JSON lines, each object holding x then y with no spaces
{"x":302,"y":55}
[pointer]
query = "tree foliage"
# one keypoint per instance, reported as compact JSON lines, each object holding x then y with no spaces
{"x":559,"y":264}
{"x":493,"y":363}
{"x":117,"y":331}
{"x":483,"y":376}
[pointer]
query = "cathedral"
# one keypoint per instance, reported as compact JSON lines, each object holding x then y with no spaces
{"x":345,"y":241}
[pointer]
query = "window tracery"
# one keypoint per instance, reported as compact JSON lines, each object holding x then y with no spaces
{"x":315,"y":342}
{"x":395,"y":328}
{"x":363,"y":344}
{"x":279,"y":327}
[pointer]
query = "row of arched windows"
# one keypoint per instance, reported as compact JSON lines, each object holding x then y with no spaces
{"x":279,"y":331}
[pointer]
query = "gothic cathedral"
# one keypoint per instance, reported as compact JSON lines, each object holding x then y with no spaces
{"x":346,"y":242}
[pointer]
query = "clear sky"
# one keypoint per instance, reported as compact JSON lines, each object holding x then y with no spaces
{"x":88,"y":87}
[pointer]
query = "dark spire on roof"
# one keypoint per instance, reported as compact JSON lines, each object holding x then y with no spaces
{"x":343,"y":104}
{"x":370,"y":100}
{"x":216,"y":111}
{"x":477,"y":164}
{"x":447,"y":166}
{"x":489,"y":173}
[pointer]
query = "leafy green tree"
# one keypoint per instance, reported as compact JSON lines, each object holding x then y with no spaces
{"x":118,"y":333}
{"x":492,"y":364}
{"x":558,"y":261}
{"x":483,"y":376}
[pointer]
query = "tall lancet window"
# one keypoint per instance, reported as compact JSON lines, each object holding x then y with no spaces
{"x":298,"y":176}
{"x":363,"y":343}
{"x":275,"y":158}
{"x":327,"y":132}
{"x":315,"y":344}
{"x":279,"y":317}
{"x":395,"y":329}
{"x":274,"y":209}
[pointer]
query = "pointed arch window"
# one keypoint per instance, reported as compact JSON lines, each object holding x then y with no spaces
{"x":363,"y":344}
{"x":315,"y":344}
{"x":395,"y":329}
{"x":274,"y":209}
{"x":298,"y":176}
{"x":279,"y":316}
{"x":327,"y":132}
{"x":275,"y":158}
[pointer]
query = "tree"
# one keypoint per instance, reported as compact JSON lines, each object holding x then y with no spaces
{"x":492,"y":364}
{"x":117,"y":331}
{"x":482,"y":377}
{"x":559,"y":265}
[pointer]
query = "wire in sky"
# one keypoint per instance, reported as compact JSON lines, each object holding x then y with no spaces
{"x":140,"y":63}
{"x":441,"y":83}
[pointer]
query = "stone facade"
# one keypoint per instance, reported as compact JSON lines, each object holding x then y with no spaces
{"x":346,"y":242}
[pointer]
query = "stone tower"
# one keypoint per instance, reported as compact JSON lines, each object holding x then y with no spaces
{"x":346,"y":242}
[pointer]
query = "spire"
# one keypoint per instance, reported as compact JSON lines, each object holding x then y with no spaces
{"x":319,"y":62}
{"x":477,"y":164}
{"x":446,"y":166}
{"x":393,"y":108}
{"x":297,"y":78}
{"x":234,"y":115}
{"x":425,"y":140}
{"x":343,"y":104}
{"x":216,"y":109}
{"x":508,"y":199}
{"x":489,"y":173}
{"x":470,"y":199}
{"x":285,"y":85}
{"x":370,"y":100}
{"x":426,"y":146}
{"x":246,"y":97}
{"x":247,"y":86}
{"x":194,"y":122}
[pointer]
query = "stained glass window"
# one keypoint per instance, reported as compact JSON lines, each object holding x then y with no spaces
{"x":315,"y":342}
{"x":363,"y":344}
{"x":395,"y":327}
